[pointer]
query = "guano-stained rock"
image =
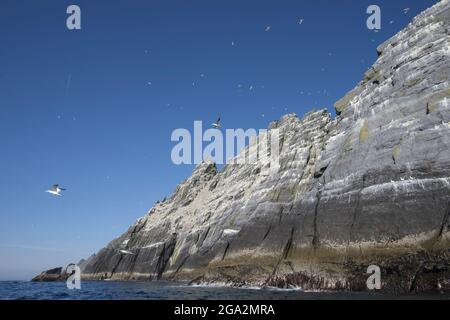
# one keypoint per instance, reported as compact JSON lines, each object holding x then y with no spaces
{"x":371,"y":187}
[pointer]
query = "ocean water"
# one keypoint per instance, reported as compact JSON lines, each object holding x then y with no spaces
{"x":110,"y":290}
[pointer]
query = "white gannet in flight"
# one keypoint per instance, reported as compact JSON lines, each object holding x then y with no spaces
{"x":56,"y":190}
{"x":406,"y":10}
{"x":217,"y":124}
{"x":126,"y":252}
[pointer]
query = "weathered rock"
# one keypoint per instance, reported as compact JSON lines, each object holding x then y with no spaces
{"x":60,"y":273}
{"x":370,"y":187}
{"x":55,"y":274}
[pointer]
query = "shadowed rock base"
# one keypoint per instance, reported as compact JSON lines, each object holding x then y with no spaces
{"x":55,"y":274}
{"x":403,"y":269}
{"x":369,"y":187}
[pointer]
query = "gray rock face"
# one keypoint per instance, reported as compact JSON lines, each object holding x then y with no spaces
{"x":56,"y":274}
{"x":371,"y":187}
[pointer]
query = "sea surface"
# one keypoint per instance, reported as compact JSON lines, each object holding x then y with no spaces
{"x":110,"y":290}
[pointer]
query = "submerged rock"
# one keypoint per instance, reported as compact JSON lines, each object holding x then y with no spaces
{"x":371,"y":187}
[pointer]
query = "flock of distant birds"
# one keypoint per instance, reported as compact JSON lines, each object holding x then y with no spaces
{"x":56,"y":190}
{"x":268,"y":28}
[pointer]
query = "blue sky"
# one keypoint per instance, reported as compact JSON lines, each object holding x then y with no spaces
{"x":77,"y":107}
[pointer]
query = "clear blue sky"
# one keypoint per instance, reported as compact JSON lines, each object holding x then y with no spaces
{"x":76,"y":107}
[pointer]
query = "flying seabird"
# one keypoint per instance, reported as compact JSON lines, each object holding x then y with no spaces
{"x":56,"y":190}
{"x":216,"y":125}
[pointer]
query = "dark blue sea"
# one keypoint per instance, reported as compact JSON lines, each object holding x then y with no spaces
{"x":110,"y":290}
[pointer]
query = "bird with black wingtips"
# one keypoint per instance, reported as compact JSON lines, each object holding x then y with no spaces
{"x":217,"y":124}
{"x":56,"y":190}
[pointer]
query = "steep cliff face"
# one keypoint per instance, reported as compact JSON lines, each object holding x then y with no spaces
{"x":369,"y":187}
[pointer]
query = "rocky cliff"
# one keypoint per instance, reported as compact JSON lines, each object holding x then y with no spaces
{"x":370,"y":187}
{"x":56,"y":274}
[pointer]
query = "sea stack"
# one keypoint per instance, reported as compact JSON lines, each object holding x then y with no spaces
{"x":370,"y":186}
